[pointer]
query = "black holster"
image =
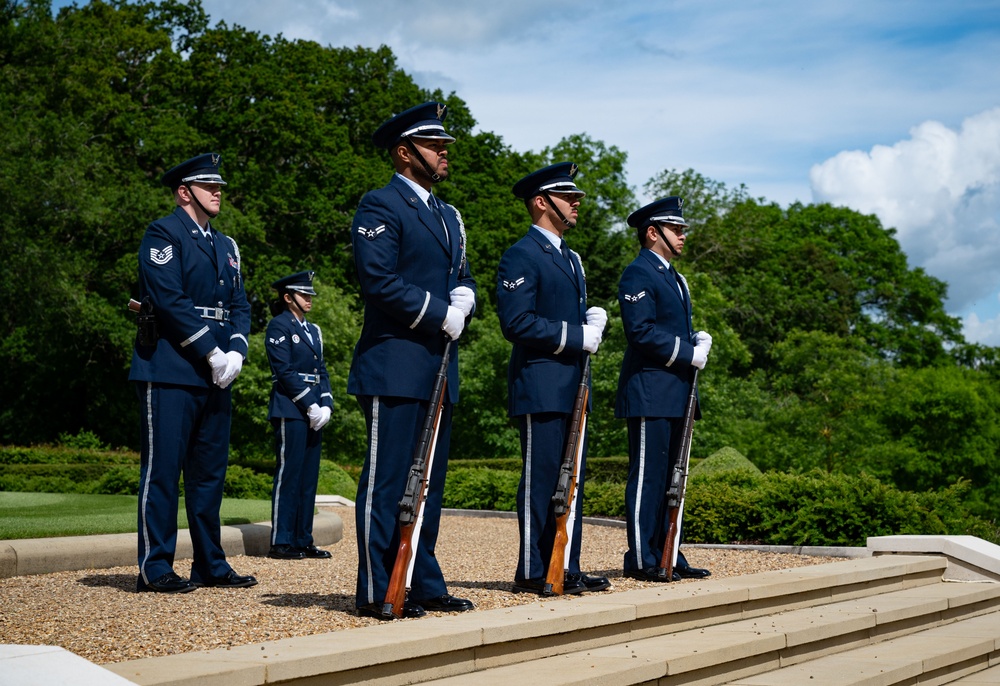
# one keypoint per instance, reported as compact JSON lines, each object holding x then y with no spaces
{"x":146,"y":321}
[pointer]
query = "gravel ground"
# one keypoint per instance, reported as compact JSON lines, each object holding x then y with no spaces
{"x":97,"y":615}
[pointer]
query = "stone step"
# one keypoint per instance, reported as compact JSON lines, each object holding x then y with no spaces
{"x":987,"y":677}
{"x":525,"y":639}
{"x":758,"y":649}
{"x":941,"y":655}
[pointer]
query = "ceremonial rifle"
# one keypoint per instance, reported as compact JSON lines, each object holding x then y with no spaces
{"x":564,"y":500}
{"x":678,"y":485}
{"x":411,"y":507}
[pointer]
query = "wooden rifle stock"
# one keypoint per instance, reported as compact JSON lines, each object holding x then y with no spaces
{"x":411,"y":507}
{"x":678,"y":483}
{"x":562,"y":500}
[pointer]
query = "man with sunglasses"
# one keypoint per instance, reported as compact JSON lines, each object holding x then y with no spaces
{"x":655,"y":381}
{"x":542,"y":306}
{"x":409,"y":253}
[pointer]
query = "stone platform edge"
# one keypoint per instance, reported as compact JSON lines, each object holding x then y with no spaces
{"x":27,"y":556}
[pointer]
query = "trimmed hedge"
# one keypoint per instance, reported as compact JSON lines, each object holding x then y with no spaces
{"x":820,"y":509}
{"x":62,"y":469}
{"x":746,"y":506}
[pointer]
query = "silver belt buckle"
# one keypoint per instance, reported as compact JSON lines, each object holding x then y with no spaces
{"x":216,"y":313}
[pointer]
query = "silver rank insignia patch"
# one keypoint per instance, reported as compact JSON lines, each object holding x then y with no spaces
{"x":371,"y":234}
{"x":635,"y":298}
{"x":513,"y":285}
{"x":161,"y":257}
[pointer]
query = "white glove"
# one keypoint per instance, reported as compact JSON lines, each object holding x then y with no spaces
{"x":218,"y":361}
{"x":453,"y":323}
{"x":591,"y":338}
{"x":699,"y":357}
{"x":703,"y":337}
{"x":464,"y":298}
{"x":233,"y":368}
{"x":315,"y":414}
{"x":326,"y":412}
{"x":597,"y":316}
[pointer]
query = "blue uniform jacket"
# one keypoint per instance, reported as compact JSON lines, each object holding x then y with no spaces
{"x":180,"y":270}
{"x":406,"y":268}
{"x":298,"y":372}
{"x":542,"y":306}
{"x":656,"y":371}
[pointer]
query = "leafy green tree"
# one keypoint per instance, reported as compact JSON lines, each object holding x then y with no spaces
{"x":822,"y":268}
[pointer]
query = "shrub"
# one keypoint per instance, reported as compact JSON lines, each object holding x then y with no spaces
{"x":335,"y":481}
{"x":723,"y":460}
{"x":83,"y":440}
{"x":476,"y":488}
{"x":603,"y":499}
{"x":247,"y":484}
{"x":118,"y":481}
{"x":818,"y":509}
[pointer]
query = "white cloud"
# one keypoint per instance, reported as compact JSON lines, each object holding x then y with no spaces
{"x":940,"y":189}
{"x":985,"y":332}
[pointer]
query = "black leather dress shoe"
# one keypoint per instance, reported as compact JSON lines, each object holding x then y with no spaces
{"x":312,"y":551}
{"x":285,"y":552}
{"x":230,"y":580}
{"x":657,"y":574}
{"x":536,"y":586}
{"x":590,"y":583}
{"x":374,"y":610}
{"x":689,"y":572}
{"x":446,"y":603}
{"x":168,"y":583}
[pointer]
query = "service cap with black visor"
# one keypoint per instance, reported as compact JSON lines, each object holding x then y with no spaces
{"x":421,"y":122}
{"x":203,"y":169}
{"x":300,"y":283}
{"x":556,"y":178}
{"x":663,"y":213}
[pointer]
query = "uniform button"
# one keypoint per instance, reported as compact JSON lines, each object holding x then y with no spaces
{"x":221,"y":282}
{"x":219,"y":304}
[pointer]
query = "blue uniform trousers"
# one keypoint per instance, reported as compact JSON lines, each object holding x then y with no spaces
{"x":653,"y":444}
{"x":543,"y":440}
{"x":394,"y":426}
{"x":293,"y":497}
{"x":184,"y":430}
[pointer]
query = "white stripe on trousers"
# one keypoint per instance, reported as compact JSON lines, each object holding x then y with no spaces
{"x":527,"y":502}
{"x":372,"y":462}
{"x":636,"y":534}
{"x":149,"y":471}
{"x":277,"y":487}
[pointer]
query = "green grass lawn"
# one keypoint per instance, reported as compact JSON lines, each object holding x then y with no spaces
{"x":43,"y":515}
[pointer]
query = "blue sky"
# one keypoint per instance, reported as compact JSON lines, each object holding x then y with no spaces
{"x":890,"y":107}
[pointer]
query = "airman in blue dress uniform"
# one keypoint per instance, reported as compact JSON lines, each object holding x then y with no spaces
{"x":655,"y":381}
{"x":190,"y":276}
{"x":542,"y":305}
{"x":409,"y":252}
{"x":299,"y":408}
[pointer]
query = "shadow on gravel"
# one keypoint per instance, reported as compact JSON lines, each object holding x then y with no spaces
{"x":336,"y":602}
{"x":123,"y":582}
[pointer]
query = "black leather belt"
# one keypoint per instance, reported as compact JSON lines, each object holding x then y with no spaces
{"x":216,"y":313}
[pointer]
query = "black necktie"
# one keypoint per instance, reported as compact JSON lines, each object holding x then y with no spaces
{"x":432,"y":203}
{"x":564,"y":249}
{"x":680,"y":284}
{"x":208,"y":235}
